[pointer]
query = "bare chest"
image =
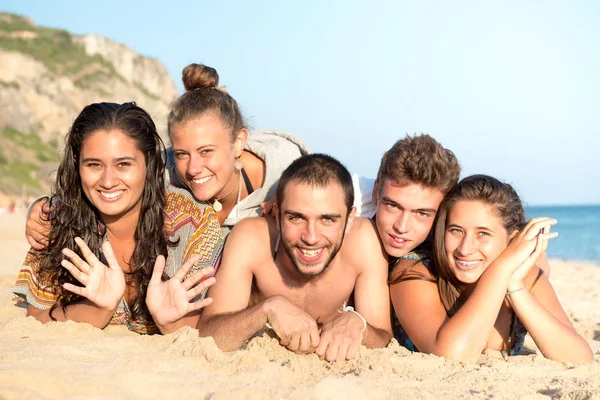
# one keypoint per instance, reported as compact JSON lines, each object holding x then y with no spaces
{"x":322,"y":298}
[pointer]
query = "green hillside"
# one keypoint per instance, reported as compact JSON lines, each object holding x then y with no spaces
{"x":54,"y":48}
{"x":25,"y":162}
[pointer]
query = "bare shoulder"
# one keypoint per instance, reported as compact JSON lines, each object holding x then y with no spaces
{"x":362,"y":233}
{"x":362,"y":246}
{"x":250,"y":230}
{"x":405,"y":268}
{"x":251,"y":240}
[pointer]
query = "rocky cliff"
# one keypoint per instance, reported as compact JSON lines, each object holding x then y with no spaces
{"x":46,"y":77}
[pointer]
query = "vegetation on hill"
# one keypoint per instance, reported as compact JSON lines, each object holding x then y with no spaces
{"x":25,"y":162}
{"x":55,"y":48}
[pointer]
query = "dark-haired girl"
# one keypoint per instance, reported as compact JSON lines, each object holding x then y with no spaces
{"x":111,"y":227}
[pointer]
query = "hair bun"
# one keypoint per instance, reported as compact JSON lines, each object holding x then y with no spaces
{"x":196,"y":76}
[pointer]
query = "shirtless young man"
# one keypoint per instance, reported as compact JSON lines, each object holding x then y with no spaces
{"x":293,"y":272}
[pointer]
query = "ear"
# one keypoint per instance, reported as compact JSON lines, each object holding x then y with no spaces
{"x":375,"y":193}
{"x":513,"y":235}
{"x":240,"y":142}
{"x":351,"y":217}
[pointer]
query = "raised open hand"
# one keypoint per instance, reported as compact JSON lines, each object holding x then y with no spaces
{"x":169,"y":301}
{"x":102,"y":285}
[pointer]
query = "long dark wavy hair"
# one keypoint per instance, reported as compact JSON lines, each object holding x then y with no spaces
{"x":74,"y":216}
{"x":503,"y":199}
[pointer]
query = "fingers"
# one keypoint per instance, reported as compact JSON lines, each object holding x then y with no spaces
{"x":37,"y":241}
{"x":332,"y":351}
{"x":37,"y":227}
{"x":91,"y":259}
{"x":342,"y":351}
{"x":322,"y":347}
{"x":159,"y":267}
{"x":200,"y":275}
{"x":294,"y":343}
{"x":352,"y":350}
{"x":315,"y":338}
{"x":75,"y":289}
{"x":284,"y":340}
{"x":76,"y":272}
{"x":77,"y":261}
{"x":306,"y":343}
{"x":200,"y":304}
{"x":201,"y":287}
{"x":536,"y":224}
{"x":45,"y":209}
{"x":186,"y":267}
{"x":108,"y":254}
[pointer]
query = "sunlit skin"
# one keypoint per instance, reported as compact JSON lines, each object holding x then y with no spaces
{"x":113,"y":173}
{"x":312,"y":222}
{"x":205,"y":157}
{"x":405,"y":215}
{"x":300,"y":292}
{"x":475,"y":237}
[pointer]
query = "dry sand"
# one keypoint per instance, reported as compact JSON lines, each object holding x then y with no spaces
{"x":69,"y":360}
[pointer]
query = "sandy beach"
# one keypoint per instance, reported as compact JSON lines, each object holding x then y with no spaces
{"x":69,"y":360}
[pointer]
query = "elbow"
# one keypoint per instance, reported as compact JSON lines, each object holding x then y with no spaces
{"x":583,"y":356}
{"x":380,"y":339}
{"x":460,"y":350}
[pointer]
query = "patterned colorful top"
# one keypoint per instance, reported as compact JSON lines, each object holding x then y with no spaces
{"x":193,"y":223}
{"x":402,"y":337}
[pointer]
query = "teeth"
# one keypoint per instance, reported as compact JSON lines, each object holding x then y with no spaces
{"x":202,"y":180}
{"x":467,"y":263}
{"x":112,"y":195}
{"x":311,"y":253}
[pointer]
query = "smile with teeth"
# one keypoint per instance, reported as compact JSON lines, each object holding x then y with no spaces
{"x":311,"y":252}
{"x":467,"y":264}
{"x":398,"y":240}
{"x":201,"y":181}
{"x":111,"y":195}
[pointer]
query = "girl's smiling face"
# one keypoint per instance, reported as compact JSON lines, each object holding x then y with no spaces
{"x":475,"y":236}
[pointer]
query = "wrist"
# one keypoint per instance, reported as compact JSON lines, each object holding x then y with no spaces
{"x":515,"y":286}
{"x":516,"y":290}
{"x":108,"y":310}
{"x":350,"y":309}
{"x":268,"y":308}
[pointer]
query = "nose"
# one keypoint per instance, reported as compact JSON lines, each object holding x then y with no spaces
{"x":467,"y":245}
{"x":109,"y":178}
{"x":195,"y":165}
{"x":402,"y":223}
{"x":310,"y":235}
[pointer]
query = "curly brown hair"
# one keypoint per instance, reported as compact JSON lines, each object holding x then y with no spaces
{"x":419,"y":159}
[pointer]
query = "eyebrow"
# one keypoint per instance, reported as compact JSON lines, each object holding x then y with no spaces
{"x":201,"y":147}
{"x":118,"y":159}
{"x":300,"y":215}
{"x":427,"y":210}
{"x":481,"y":228}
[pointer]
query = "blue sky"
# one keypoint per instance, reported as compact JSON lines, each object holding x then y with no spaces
{"x":511,"y":87}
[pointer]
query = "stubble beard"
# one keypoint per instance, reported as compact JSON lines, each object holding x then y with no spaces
{"x":289,"y":250}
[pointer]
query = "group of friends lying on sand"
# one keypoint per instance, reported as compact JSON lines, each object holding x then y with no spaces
{"x":231,"y":233}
